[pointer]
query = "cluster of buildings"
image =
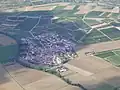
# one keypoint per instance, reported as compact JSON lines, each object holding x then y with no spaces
{"x":46,"y":49}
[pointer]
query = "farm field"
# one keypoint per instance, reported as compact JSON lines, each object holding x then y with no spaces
{"x":19,"y":77}
{"x":8,"y":53}
{"x":105,"y":14}
{"x":91,"y":22}
{"x":43,"y":31}
{"x":112,"y":56}
{"x":5,"y":40}
{"x":94,"y":14}
{"x":95,"y":37}
{"x":113,"y":33}
{"x":76,"y":27}
{"x":8,"y":49}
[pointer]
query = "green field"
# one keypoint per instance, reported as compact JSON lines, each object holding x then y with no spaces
{"x":112,"y":56}
{"x":105,"y":14}
{"x":104,"y":54}
{"x":59,"y":11}
{"x":94,"y":37}
{"x":114,"y":15}
{"x":104,"y":86}
{"x":113,"y":33}
{"x":91,"y":22}
{"x":94,"y":14}
{"x":8,"y":53}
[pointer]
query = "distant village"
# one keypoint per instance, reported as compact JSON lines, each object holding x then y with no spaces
{"x":47,"y":49}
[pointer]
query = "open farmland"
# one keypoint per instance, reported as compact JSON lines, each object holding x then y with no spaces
{"x":111,"y":56}
{"x":95,"y":37}
{"x":91,"y":22}
{"x":15,"y":76}
{"x":7,"y":44}
{"x":94,"y":14}
{"x":106,"y":14}
{"x":113,"y":33}
{"x":6,"y":55}
{"x":5,"y":40}
{"x":62,"y":38}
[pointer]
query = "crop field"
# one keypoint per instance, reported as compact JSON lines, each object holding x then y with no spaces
{"x":35,"y":13}
{"x":8,"y":53}
{"x":27,"y":24}
{"x":94,"y":14}
{"x":68,"y":24}
{"x":105,"y":87}
{"x":105,"y":14}
{"x":45,"y":31}
{"x":95,"y":37}
{"x":116,"y":24}
{"x":5,"y":40}
{"x":29,"y":79}
{"x":113,"y":33}
{"x":59,"y":10}
{"x":72,"y":26}
{"x":91,"y":22}
{"x":8,"y":49}
{"x":114,"y":15}
{"x":45,"y":21}
{"x":62,"y":12}
{"x":112,"y":56}
{"x":82,"y":25}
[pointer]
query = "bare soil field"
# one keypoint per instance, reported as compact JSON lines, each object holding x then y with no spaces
{"x":37,"y":8}
{"x":5,"y":40}
{"x":99,"y":25}
{"x":92,"y":63}
{"x":62,"y":4}
{"x":17,"y":77}
{"x":84,"y":9}
{"x":103,"y":72}
{"x":107,"y":27}
{"x":24,"y":75}
{"x":44,"y":7}
{"x":6,"y":81}
{"x":69,"y":7}
{"x":114,"y":10}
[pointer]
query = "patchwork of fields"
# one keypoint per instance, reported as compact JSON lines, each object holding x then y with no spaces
{"x":73,"y":26}
{"x":69,"y":22}
{"x":88,"y":28}
{"x":112,"y":56}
